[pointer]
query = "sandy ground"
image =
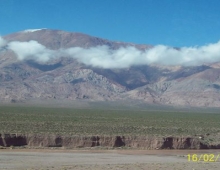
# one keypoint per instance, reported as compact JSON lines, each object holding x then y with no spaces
{"x":50,"y":159}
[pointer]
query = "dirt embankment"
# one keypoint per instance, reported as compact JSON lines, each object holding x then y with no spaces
{"x":146,"y":142}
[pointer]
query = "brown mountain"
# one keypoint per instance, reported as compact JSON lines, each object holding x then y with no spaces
{"x":65,"y":79}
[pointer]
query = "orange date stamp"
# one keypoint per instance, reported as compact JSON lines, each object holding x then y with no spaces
{"x":203,"y":157}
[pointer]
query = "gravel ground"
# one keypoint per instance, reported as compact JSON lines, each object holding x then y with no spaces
{"x":44,"y":159}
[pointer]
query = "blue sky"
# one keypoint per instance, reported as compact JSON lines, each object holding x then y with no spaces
{"x":169,"y":22}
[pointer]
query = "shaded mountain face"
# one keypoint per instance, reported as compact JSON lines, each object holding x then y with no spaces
{"x":66,"y":79}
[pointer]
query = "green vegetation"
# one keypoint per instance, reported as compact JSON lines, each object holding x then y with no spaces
{"x":72,"y":121}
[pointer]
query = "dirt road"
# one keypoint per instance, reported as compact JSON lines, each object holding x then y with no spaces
{"x":47,"y":159}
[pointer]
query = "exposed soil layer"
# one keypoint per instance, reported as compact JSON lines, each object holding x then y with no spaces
{"x":146,"y":142}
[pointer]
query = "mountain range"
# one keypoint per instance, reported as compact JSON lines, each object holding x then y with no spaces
{"x":64,"y":78}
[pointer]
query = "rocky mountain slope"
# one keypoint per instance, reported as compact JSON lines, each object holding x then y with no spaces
{"x":65,"y":78}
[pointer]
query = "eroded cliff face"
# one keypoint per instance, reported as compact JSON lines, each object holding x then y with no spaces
{"x":145,"y":142}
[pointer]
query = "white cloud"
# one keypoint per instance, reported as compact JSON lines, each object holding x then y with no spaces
{"x":104,"y":57}
{"x":2,"y":42}
{"x":31,"y":50}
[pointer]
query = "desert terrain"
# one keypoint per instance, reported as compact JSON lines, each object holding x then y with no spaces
{"x":53,"y":138}
{"x":59,"y":159}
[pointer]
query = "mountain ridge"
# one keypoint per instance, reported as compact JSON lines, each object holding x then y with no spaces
{"x":69,"y":37}
{"x":66,"y":78}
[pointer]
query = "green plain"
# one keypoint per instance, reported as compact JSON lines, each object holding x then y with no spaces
{"x":70,"y":121}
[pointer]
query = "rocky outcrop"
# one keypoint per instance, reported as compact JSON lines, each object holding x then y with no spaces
{"x":12,"y":140}
{"x":145,"y":142}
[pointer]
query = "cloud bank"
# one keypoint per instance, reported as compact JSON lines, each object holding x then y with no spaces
{"x":104,"y":57}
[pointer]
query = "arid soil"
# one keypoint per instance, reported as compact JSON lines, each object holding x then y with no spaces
{"x":50,"y":159}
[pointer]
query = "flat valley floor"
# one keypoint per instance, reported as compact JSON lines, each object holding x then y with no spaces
{"x":63,"y":159}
